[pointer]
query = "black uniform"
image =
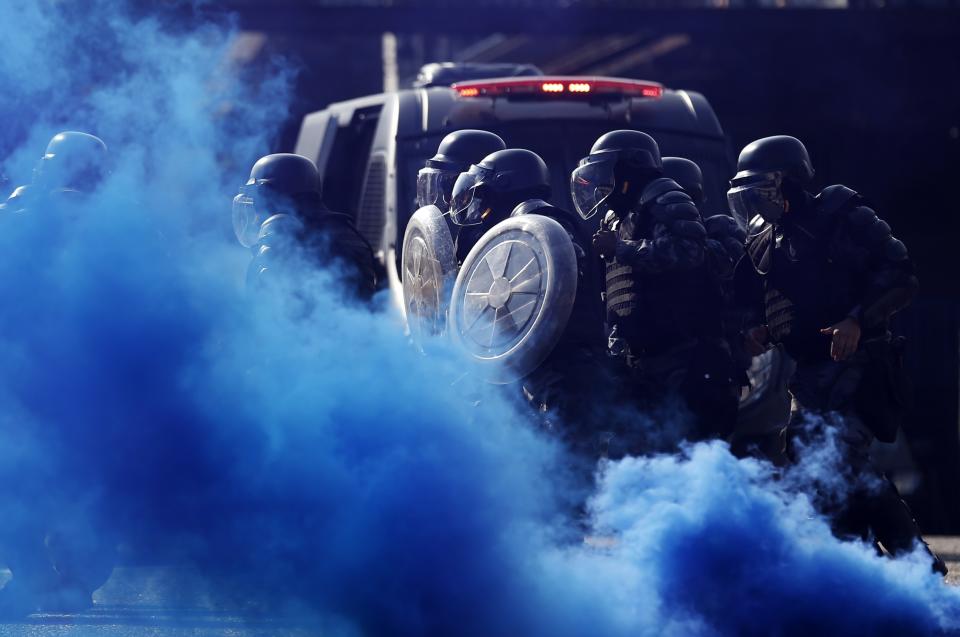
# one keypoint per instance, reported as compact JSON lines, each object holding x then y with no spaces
{"x":663,"y":306}
{"x":279,"y":215}
{"x":725,"y":247}
{"x":662,"y":301}
{"x":330,"y":241}
{"x":55,"y":566}
{"x":573,"y":387}
{"x":832,"y":258}
{"x":814,"y":263}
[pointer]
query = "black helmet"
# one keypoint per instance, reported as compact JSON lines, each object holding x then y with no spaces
{"x":456,"y":153}
{"x":620,"y":164}
{"x":687,"y":174}
{"x":280,"y":183}
{"x":497,"y":184}
{"x":781,"y":154}
{"x":764,"y":165}
{"x":73,"y":161}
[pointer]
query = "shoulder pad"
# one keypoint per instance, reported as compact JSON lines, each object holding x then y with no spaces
{"x":544,"y":209}
{"x":723,"y":226}
{"x":282,"y":225}
{"x":894,"y":250}
{"x":674,"y":196}
{"x":862,"y":216}
{"x":834,"y":198}
{"x":658,"y":188}
{"x":689,"y":229}
{"x":675,"y":212}
{"x":877,"y":231}
{"x":533,"y":207}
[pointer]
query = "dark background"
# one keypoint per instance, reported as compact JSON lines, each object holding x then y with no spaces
{"x":871,"y":89}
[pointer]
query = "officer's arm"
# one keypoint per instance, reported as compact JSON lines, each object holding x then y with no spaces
{"x":678,"y":238}
{"x":725,"y":245}
{"x":890,"y":281}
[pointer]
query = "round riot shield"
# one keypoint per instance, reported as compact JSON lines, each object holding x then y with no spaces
{"x":514,"y":295}
{"x":428,"y":269}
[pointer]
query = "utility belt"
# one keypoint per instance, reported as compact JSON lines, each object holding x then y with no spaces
{"x":663,"y":360}
{"x":707,"y":360}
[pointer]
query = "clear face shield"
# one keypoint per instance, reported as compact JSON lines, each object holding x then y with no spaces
{"x":467,"y":207}
{"x":250,"y":209}
{"x":591,"y":184}
{"x":434,"y":187}
{"x":246,"y":220}
{"x":757,"y":194}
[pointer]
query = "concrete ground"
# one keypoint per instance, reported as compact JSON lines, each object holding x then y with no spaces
{"x":948,"y":548}
{"x":172,"y":602}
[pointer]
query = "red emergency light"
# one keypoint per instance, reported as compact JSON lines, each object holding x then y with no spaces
{"x":574,"y":86}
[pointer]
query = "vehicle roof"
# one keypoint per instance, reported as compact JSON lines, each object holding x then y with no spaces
{"x":437,"y":110}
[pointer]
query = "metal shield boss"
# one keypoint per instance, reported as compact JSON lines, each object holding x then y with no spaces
{"x":429,"y":268}
{"x":514,"y":295}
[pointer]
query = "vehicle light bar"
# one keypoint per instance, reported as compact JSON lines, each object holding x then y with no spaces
{"x":570,"y":86}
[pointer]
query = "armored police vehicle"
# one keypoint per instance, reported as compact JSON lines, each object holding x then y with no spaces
{"x":370,"y":149}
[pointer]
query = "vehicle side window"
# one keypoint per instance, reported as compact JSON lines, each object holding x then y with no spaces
{"x":345,"y":170}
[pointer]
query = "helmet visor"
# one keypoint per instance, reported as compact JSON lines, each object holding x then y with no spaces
{"x":467,"y":207}
{"x":756,"y":194}
{"x":434,"y":187}
{"x":591,"y":184}
{"x":247,"y":215}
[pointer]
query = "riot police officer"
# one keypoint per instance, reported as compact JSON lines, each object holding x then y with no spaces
{"x":559,"y":361}
{"x":279,"y":214}
{"x":725,"y":238}
{"x":662,"y":303}
{"x":73,"y":165}
{"x":725,"y":247}
{"x":429,"y":267}
{"x":56,"y":567}
{"x":824,"y":275}
{"x":488,"y":192}
{"x":456,"y":153}
{"x":573,"y":389}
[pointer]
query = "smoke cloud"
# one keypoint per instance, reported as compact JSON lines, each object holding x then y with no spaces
{"x":311,"y":460}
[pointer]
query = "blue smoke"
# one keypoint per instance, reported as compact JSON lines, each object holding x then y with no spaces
{"x":304,"y":455}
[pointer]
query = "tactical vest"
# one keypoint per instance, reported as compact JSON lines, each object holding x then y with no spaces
{"x":655,"y":312}
{"x":805,"y":289}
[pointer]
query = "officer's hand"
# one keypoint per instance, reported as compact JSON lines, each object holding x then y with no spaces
{"x":755,"y":340}
{"x":846,"y":338}
{"x":605,"y":242}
